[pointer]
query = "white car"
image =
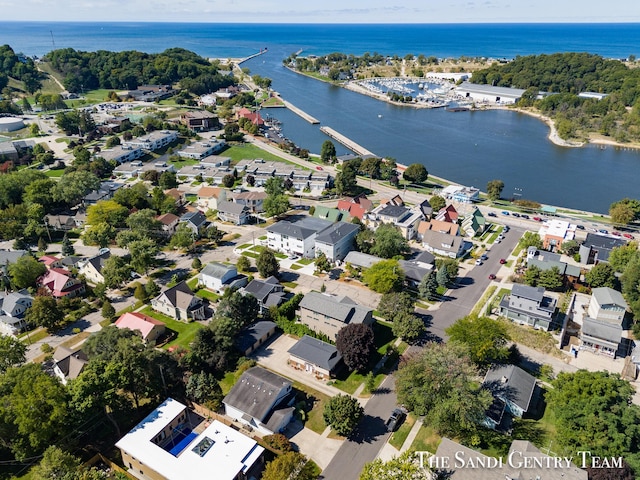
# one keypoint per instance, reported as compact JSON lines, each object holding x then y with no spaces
{"x":479,"y":261}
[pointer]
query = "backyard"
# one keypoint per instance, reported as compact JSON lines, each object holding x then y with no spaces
{"x":185,"y":332}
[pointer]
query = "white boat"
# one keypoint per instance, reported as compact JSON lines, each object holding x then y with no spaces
{"x":379,"y":116}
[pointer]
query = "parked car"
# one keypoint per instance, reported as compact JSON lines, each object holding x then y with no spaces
{"x":491,"y":214}
{"x":537,"y":219}
{"x":502,"y":261}
{"x":526,"y":217}
{"x":505,"y":213}
{"x":580,"y":227}
{"x":479,"y":262}
{"x":293,"y":257}
{"x":627,"y":235}
{"x":396,"y":418}
{"x":492,"y":277}
{"x":483,"y":257}
{"x":617,"y":234}
{"x":515,"y":214}
{"x":602,"y":230}
{"x":319,"y":168}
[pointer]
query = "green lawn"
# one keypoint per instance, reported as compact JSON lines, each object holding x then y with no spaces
{"x":244,"y":246}
{"x":290,"y":285}
{"x":250,"y":254}
{"x":97,"y":96}
{"x":206,"y":294}
{"x":314,"y":420}
{"x":427,"y":440}
{"x":186,"y":331}
{"x":249,"y":152}
{"x":54,"y":173}
{"x":399,"y":436}
{"x":34,"y":336}
{"x":184,"y":162}
{"x":305,"y":261}
{"x":296,"y":267}
{"x":192,"y":283}
{"x":354,"y":380}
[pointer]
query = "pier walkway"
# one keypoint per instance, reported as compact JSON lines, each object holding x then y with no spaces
{"x":264,"y":50}
{"x":300,"y":113}
{"x":350,"y":144}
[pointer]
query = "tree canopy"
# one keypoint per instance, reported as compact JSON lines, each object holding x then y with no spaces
{"x":355,"y":343}
{"x":384,"y":276}
{"x":485,"y":339}
{"x":416,"y":173}
{"x":342,"y":413}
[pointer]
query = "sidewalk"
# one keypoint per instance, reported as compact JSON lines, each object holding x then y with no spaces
{"x":389,"y":451}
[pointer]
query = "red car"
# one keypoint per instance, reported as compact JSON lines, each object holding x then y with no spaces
{"x":492,"y":277}
{"x":627,"y":235}
{"x":617,"y":234}
{"x":503,"y":261}
{"x":537,"y":219}
{"x":318,"y":168}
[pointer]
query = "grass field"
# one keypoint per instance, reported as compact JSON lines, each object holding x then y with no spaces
{"x":186,"y":332}
{"x":426,"y":440}
{"x":54,"y":173}
{"x":249,"y":152}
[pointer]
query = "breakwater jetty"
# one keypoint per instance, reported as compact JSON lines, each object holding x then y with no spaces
{"x":301,"y":113}
{"x":350,"y":144}
{"x":262,"y":50}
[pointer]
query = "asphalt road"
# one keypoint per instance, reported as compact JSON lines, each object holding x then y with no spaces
{"x":369,"y":438}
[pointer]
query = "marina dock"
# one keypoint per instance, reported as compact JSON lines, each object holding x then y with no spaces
{"x":300,"y":113}
{"x":350,"y":144}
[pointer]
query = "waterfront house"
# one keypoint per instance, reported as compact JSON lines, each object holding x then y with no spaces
{"x":149,"y":328}
{"x":268,"y":292}
{"x":529,"y":306}
{"x":596,"y":248}
{"x":219,"y":277}
{"x":314,"y":357}
{"x":336,"y":241}
{"x":179,"y":303}
{"x":554,"y":233}
{"x":328,"y":314}
{"x":512,"y":388}
{"x":173,"y":443}
{"x":232,"y":212}
{"x":253,"y":117}
{"x":253,"y":336}
{"x":602,"y":327}
{"x":261,"y":400}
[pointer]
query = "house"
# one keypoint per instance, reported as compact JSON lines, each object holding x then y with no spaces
{"x":466,"y":195}
{"x":195,"y":221}
{"x":529,"y":306}
{"x":328,"y":314}
{"x":154,"y":140}
{"x":50,"y":261}
{"x":452,"y":246}
{"x":150,"y":328}
{"x":68,"y":364}
{"x":217,"y":161}
{"x":414,"y":272}
{"x":261,"y":399}
{"x":13,"y":306}
{"x":137,"y":168}
{"x":436,"y":226}
{"x":232,"y":212}
{"x":252,"y":200}
{"x":426,"y":209}
{"x":474,"y":223}
{"x":525,"y":461}
{"x":7,"y":257}
{"x":179,"y":196}
{"x":326,"y":213}
{"x":513,"y":388}
{"x":336,"y":241}
{"x":361,"y":260}
{"x":218,"y":277}
{"x":208,"y":197}
{"x":253,"y":336}
{"x":489,"y":93}
{"x":448,"y":214}
{"x":253,"y":117}
{"x":59,"y":283}
{"x":169,"y":222}
{"x":544,"y":260}
{"x":60,"y":222}
{"x":554,"y":232}
{"x":596,"y":248}
{"x":180,"y":303}
{"x":199,"y":150}
{"x":200,"y":120}
{"x":106,"y":191}
{"x":173,"y":443}
{"x":121,"y":153}
{"x":268,"y":292}
{"x":92,"y":268}
{"x":602,"y":327}
{"x":296,"y":238}
{"x":402,"y":217}
{"x":356,"y":206}
{"x":425,"y":259}
{"x":149,"y":93}
{"x":315,"y":357}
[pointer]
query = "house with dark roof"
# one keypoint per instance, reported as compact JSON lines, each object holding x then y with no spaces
{"x":268,"y":292}
{"x":218,"y":277}
{"x":596,"y":248}
{"x":180,"y":303}
{"x":328,"y":314}
{"x":262,"y":400}
{"x":402,"y":217}
{"x":337,"y":240}
{"x":425,"y":259}
{"x":529,"y":306}
{"x":150,"y":328}
{"x":315,"y":357}
{"x":452,"y":246}
{"x":253,"y":336}
{"x":232,"y":212}
{"x":92,"y":268}
{"x":169,"y":222}
{"x":296,"y":238}
{"x":68,"y":364}
{"x":603,"y":326}
{"x":60,"y":222}
{"x":426,"y":209}
{"x":544,"y":260}
{"x":199,"y":120}
{"x":414,"y":272}
{"x":513,"y":388}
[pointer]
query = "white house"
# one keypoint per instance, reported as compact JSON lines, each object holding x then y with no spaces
{"x":154,"y":140}
{"x":296,"y":238}
{"x":218,"y":277}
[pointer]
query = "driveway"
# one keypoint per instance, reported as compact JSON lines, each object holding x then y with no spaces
{"x":318,"y":448}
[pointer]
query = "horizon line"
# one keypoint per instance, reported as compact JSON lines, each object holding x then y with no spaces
{"x":563,"y":22}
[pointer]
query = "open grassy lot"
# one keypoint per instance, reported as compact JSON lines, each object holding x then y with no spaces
{"x":249,"y":152}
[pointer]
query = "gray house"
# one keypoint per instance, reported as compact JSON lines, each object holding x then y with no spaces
{"x":195,"y":221}
{"x":254,"y":335}
{"x":268,"y":292}
{"x":603,"y":326}
{"x":529,"y":305}
{"x":232,"y":212}
{"x":513,"y":390}
{"x":337,"y":240}
{"x":315,"y":357}
{"x":328,"y":314}
{"x":596,"y":248}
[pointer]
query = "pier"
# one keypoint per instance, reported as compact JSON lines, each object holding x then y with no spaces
{"x":262,"y":50}
{"x":350,"y":144}
{"x":301,"y":113}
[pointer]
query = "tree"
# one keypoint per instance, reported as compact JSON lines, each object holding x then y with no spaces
{"x":67,"y":246}
{"x":389,"y":242}
{"x":393,"y":303}
{"x":23,"y":391}
{"x":274,"y":186}
{"x":355,"y":343}
{"x":550,"y":279}
{"x":25,"y":271}
{"x":101,"y":234}
{"x":625,"y":211}
{"x":267,"y":264}
{"x":44,"y":312}
{"x":403,"y":467}
{"x":213,"y":234}
{"x":322,"y":263}
{"x":143,"y":254}
{"x":428,"y":287}
{"x":620,"y":257}
{"x":450,"y":267}
{"x":494,"y":189}
{"x":55,"y":463}
{"x":13,"y":353}
{"x":439,"y":382}
{"x":115,"y":271}
{"x":108,"y":312}
{"x":143,"y":221}
{"x":437,"y":203}
{"x":168,"y":180}
{"x":228,"y":180}
{"x":243,"y":264}
{"x":570,"y":247}
{"x":342,"y":413}
{"x":183,"y":238}
{"x":371,"y":167}
{"x":242,"y":309}
{"x":107,"y":211}
{"x":530,"y":239}
{"x":408,"y":326}
{"x":415,"y":173}
{"x":328,"y":152}
{"x":290,"y":466}
{"x":74,"y":185}
{"x":151,"y":288}
{"x":601,"y":275}
{"x":203,"y":388}
{"x":275,"y":206}
{"x":484,"y":338}
{"x":279,"y":442}
{"x":593,"y":411}
{"x":384,"y":277}
{"x":345,"y":181}
{"x":364,"y":240}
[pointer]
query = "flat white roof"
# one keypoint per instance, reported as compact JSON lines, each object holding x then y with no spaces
{"x":559,"y":228}
{"x":226,"y":452}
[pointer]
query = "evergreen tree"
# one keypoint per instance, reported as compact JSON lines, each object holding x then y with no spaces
{"x":67,"y":246}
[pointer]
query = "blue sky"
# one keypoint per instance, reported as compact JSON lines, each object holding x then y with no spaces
{"x":324,"y":11}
